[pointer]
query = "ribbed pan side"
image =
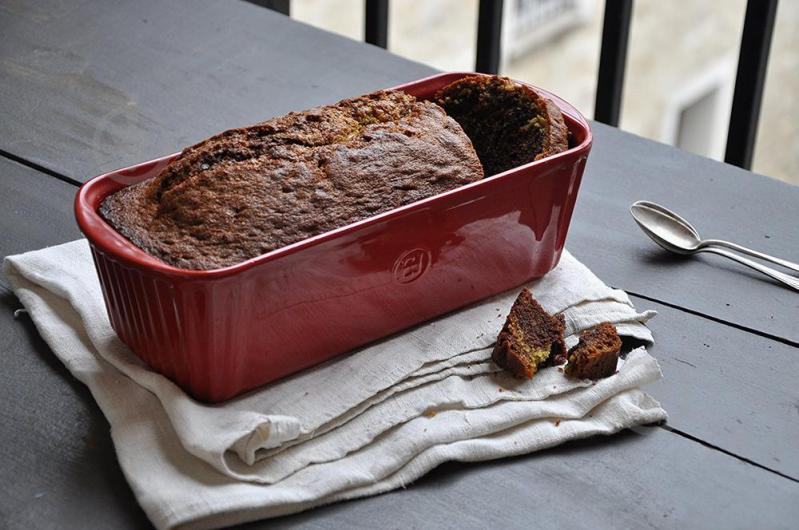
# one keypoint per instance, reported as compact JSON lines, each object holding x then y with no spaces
{"x":146,"y":314}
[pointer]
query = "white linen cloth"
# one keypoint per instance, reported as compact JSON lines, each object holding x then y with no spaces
{"x":361,"y":424}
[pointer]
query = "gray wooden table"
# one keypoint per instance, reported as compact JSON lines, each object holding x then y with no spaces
{"x":94,"y":85}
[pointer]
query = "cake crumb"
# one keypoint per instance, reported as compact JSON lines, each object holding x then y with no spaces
{"x":596,"y":355}
{"x":481,"y":106}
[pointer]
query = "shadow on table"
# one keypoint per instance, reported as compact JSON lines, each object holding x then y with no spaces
{"x":665,"y":260}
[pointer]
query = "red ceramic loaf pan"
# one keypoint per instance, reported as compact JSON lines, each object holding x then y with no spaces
{"x":221,"y":332}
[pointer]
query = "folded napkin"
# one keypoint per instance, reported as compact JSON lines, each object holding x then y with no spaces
{"x":361,"y":424}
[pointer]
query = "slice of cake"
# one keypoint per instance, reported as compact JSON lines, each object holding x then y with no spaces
{"x":529,"y":337}
{"x":509,"y":124}
{"x":597,"y":353}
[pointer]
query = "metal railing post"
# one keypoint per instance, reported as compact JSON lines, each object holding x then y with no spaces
{"x":749,"y":81}
{"x":612,"y":61}
{"x":489,"y":35}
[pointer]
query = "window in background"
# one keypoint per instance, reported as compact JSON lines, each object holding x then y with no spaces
{"x":680,"y":72}
{"x":694,"y":130}
{"x":697,"y":114}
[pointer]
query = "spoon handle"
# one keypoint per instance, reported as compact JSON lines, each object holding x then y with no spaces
{"x":790,"y":281}
{"x":754,"y":253}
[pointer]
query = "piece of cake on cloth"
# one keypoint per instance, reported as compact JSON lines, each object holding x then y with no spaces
{"x":597,"y":353}
{"x":530,"y":338}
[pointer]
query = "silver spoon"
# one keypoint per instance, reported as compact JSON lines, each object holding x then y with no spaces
{"x":675,"y":234}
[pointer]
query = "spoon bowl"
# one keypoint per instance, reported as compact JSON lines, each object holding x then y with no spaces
{"x":666,"y":228}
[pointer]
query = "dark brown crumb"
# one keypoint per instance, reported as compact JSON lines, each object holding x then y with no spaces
{"x":509,"y":124}
{"x":597,"y":353}
{"x":529,"y":338}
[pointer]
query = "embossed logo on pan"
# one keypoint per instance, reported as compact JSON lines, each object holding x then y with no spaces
{"x":411,"y":265}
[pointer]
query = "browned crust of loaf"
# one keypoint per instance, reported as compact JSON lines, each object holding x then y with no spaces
{"x":251,"y":190}
{"x":596,"y":354}
{"x":540,"y":329}
{"x":557,"y":134}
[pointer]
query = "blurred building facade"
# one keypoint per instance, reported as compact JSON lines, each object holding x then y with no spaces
{"x":680,"y":72}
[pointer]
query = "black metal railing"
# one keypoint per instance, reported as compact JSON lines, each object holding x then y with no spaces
{"x":489,"y":36}
{"x":612,"y":61}
{"x":281,"y":6}
{"x":749,"y":81}
{"x":375,"y":29}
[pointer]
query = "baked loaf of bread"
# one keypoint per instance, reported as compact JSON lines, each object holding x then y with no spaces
{"x":248,"y":191}
{"x":509,"y":124}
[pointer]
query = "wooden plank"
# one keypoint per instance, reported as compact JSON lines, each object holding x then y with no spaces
{"x":59,"y":467}
{"x":60,"y":470}
{"x":36,"y":210}
{"x":722,"y":201}
{"x":734,"y":389}
{"x":626,"y":481}
{"x":87,"y":87}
